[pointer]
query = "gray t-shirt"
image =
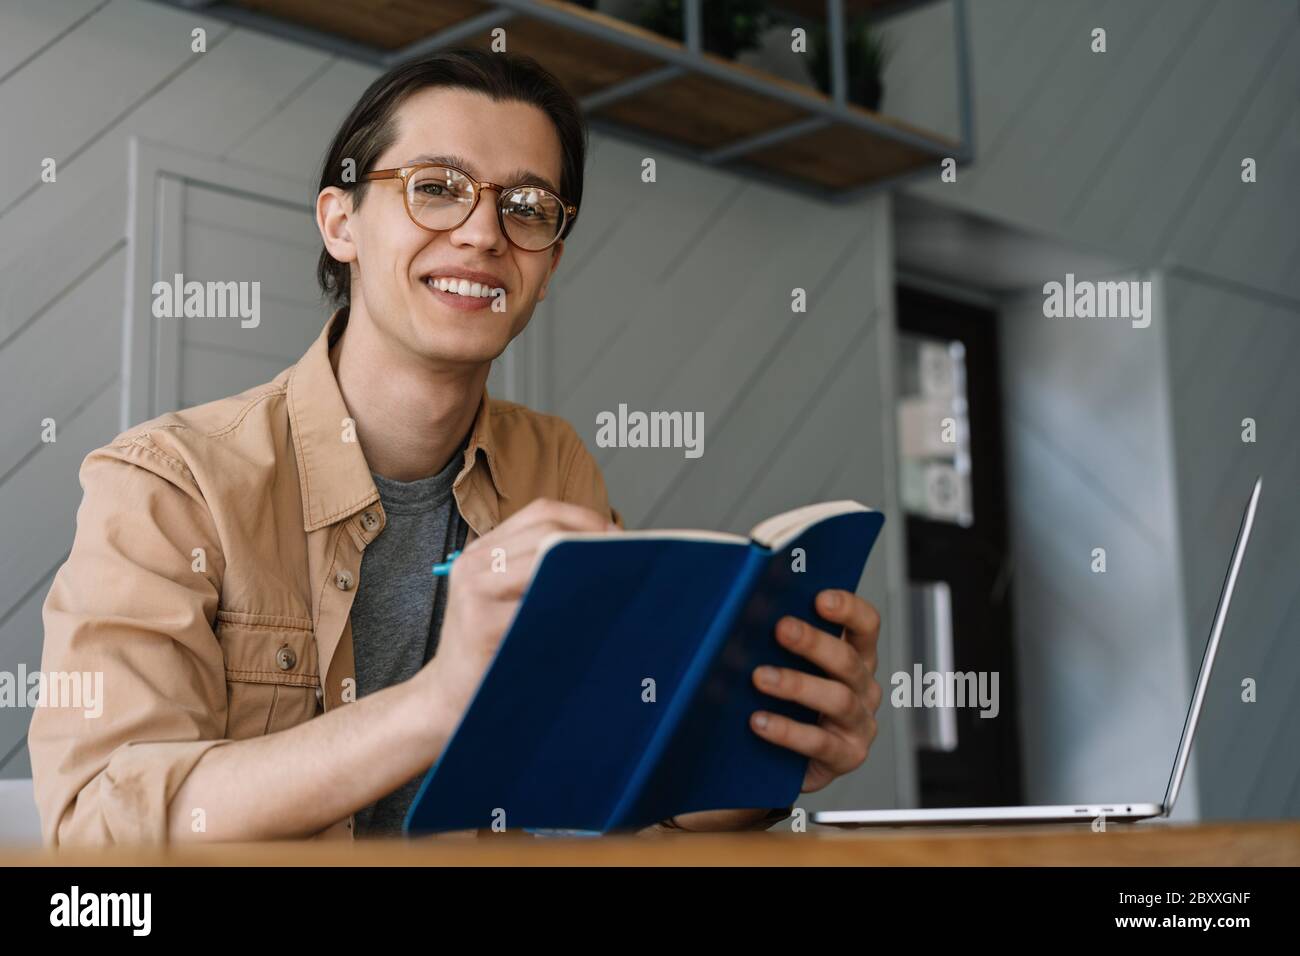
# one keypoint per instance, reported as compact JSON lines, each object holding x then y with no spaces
{"x":397,"y":611}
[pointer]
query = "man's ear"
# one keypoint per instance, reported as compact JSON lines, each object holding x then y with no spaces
{"x":333,"y":215}
{"x":557,"y":250}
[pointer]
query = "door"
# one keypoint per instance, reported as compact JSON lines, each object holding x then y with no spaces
{"x":248,"y":237}
{"x":953,"y":494}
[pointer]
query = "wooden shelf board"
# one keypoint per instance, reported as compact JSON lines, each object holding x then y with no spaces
{"x":839,"y":156}
{"x":583,"y":63}
{"x":815,"y":95}
{"x":386,"y":24}
{"x":699,"y":111}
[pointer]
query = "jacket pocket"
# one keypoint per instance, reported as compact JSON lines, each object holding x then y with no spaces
{"x":271,"y":672}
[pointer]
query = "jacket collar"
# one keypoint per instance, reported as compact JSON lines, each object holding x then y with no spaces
{"x":333,"y":475}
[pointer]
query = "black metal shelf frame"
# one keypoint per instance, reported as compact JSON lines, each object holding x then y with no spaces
{"x":680,"y":60}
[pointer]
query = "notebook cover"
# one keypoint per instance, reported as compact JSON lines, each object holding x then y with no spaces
{"x":559,"y":735}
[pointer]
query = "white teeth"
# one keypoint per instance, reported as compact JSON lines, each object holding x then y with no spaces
{"x":463,"y":287}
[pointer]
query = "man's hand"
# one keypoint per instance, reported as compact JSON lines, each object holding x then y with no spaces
{"x":847,"y":697}
{"x":486,"y":585}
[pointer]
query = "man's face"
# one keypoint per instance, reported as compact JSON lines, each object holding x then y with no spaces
{"x":396,"y":260}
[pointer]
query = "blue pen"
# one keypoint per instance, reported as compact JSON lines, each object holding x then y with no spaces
{"x":443,"y":568}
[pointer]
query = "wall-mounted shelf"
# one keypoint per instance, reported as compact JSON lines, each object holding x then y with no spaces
{"x":640,"y":85}
{"x":816,"y":9}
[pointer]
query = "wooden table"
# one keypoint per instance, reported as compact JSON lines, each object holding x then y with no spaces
{"x":1214,"y":844}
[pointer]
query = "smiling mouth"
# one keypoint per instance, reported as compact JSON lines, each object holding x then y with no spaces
{"x":461,"y":294}
{"x":463,"y":287}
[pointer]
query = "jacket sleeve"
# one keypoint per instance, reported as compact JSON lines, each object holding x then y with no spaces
{"x":584,"y":484}
{"x":129,"y":613}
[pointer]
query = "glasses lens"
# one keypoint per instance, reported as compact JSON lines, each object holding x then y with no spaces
{"x":533,"y":216}
{"x":439,"y":197}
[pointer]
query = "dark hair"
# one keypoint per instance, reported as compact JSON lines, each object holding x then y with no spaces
{"x":371,"y":128}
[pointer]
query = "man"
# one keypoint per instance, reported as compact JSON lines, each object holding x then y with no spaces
{"x":251,"y":576}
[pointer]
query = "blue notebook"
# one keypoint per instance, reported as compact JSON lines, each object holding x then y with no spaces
{"x":621,"y":694}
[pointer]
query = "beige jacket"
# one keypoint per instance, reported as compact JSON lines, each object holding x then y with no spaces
{"x":217,"y":553}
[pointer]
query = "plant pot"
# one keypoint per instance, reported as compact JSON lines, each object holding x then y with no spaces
{"x":729,"y":27}
{"x":866,"y":53}
{"x":866,"y":89}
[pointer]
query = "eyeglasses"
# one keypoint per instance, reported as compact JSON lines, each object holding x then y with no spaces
{"x":441,"y":197}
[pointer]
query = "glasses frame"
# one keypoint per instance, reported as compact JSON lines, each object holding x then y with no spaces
{"x":404,"y":174}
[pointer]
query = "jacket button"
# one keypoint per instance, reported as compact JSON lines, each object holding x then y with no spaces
{"x":285,"y":658}
{"x":370,"y":521}
{"x":344,"y":580}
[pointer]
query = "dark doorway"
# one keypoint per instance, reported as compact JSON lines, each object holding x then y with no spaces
{"x":952,"y":484}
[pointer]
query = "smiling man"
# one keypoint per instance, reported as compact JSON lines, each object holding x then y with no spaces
{"x":252,"y":575}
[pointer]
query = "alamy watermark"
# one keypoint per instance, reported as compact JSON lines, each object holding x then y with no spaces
{"x":922,"y":688}
{"x":208,"y":300}
{"x":651,"y":430}
{"x":133,"y":911}
{"x":76,"y":690}
{"x":1085,"y":299}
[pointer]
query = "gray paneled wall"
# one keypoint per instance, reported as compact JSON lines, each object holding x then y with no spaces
{"x":1232,"y":356}
{"x":671,"y":295}
{"x":1101,"y":654}
{"x":1136,"y":153}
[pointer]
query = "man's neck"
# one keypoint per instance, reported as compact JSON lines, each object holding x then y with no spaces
{"x":410,"y":419}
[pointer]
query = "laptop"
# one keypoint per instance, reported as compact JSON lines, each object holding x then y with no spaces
{"x":1111,"y":812}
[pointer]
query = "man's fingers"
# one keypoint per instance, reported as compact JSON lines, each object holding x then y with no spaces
{"x":503,"y":570}
{"x":836,"y":657}
{"x":498,"y":575}
{"x":875,"y":696}
{"x":839,"y":754}
{"x":560,"y":515}
{"x":506,"y":556}
{"x":831,"y":698}
{"x":861,"y":621}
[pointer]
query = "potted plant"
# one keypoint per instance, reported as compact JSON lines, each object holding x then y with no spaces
{"x":867,"y":50}
{"x":728,"y":26}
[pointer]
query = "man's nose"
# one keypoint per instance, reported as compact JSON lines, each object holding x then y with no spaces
{"x":485,"y":216}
